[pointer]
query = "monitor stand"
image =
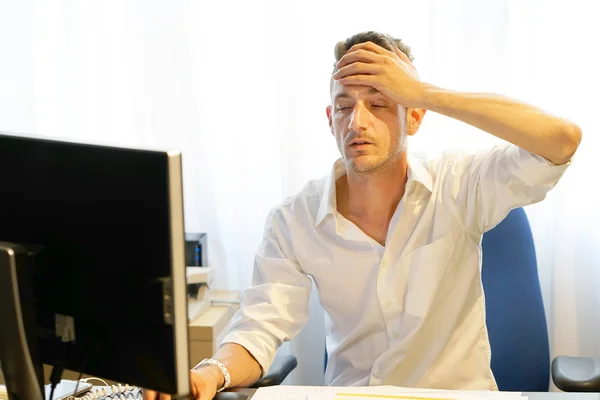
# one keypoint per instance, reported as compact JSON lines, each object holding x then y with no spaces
{"x":19,"y":354}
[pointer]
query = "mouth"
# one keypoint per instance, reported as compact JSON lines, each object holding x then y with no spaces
{"x":359,"y":142}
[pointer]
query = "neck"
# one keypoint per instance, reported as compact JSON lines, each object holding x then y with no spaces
{"x":375,"y":196}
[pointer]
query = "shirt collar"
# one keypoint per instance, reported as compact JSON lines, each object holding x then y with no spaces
{"x":417,"y":173}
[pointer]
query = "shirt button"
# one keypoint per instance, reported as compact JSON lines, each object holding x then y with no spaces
{"x":377,"y":374}
{"x":383,"y":264}
{"x":388,"y":304}
{"x":394,"y":335}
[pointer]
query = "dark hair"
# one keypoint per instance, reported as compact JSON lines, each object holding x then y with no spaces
{"x":381,"y":39}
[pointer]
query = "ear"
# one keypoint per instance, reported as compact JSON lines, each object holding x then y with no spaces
{"x":328,"y":110}
{"x":414,"y":117}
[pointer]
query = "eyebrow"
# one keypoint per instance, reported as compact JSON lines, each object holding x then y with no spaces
{"x":372,"y":91}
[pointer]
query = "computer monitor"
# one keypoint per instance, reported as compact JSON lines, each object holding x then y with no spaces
{"x":92,"y":264}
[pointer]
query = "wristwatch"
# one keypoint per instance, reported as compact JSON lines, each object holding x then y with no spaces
{"x":223,"y":369}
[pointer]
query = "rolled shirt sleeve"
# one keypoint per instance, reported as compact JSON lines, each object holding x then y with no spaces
{"x":484,"y":187}
{"x":275,"y":308}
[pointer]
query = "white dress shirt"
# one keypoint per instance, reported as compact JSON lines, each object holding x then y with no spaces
{"x":410,"y":313}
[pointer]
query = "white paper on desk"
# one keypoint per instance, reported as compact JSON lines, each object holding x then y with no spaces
{"x":506,"y":395}
{"x":376,"y":392}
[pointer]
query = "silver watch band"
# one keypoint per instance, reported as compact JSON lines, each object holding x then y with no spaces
{"x":222,"y":367}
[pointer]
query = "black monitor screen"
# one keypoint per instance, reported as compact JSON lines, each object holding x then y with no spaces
{"x":103,"y":218}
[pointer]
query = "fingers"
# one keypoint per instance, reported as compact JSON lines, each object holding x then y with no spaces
{"x":364,"y":56}
{"x":150,"y":395}
{"x":357,"y":68}
{"x":405,"y":58}
{"x":370,"y":46}
{"x":365,"y":80}
{"x":195,"y":392}
{"x":370,"y":53}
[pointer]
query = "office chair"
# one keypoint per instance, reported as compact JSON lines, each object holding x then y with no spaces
{"x":280,"y":369}
{"x":516,"y":319}
{"x":576,"y":374}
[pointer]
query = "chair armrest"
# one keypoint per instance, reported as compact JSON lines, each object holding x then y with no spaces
{"x":576,"y":374}
{"x":278,"y":372}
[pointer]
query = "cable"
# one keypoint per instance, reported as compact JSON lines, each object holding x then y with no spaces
{"x":87,"y":354}
{"x":95,"y":379}
{"x":55,"y":378}
{"x":58,"y":369}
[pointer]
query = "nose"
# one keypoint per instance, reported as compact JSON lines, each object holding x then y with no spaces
{"x":359,"y":118}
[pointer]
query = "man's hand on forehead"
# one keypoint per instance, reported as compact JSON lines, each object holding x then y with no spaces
{"x":351,"y":56}
{"x":391,"y":73}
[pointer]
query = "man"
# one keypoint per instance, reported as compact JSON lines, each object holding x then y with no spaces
{"x":393,"y":243}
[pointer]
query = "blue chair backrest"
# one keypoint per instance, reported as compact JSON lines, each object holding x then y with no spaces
{"x":516,"y":320}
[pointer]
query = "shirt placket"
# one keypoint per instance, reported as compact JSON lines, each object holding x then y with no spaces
{"x":388,"y":295}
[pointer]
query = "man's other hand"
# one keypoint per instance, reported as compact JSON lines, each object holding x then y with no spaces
{"x":204,"y":382}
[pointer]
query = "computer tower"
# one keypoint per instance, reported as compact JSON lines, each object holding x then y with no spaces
{"x":195,"y":250}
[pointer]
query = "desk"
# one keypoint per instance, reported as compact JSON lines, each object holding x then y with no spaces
{"x":561,"y":396}
{"x":530,"y":395}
